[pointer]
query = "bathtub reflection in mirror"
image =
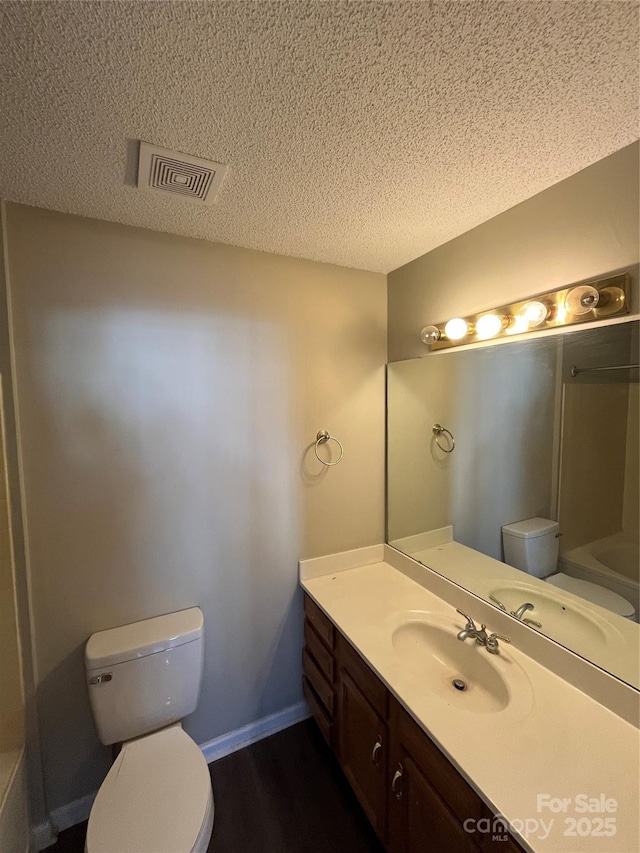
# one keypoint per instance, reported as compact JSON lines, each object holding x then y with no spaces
{"x":546,"y":446}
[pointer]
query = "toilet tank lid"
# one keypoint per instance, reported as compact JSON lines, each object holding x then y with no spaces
{"x":530,"y":528}
{"x":139,"y":639}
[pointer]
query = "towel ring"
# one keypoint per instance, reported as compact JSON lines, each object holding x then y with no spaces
{"x":321,"y":438}
{"x":438,"y":431}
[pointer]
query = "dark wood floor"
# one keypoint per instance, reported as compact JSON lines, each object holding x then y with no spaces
{"x":285,"y":794}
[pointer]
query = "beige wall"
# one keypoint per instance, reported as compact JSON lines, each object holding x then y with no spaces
{"x":593,"y":462}
{"x":631,"y":501}
{"x":11,"y":700}
{"x":594,"y":435}
{"x":580,"y":228}
{"x":169,"y":391}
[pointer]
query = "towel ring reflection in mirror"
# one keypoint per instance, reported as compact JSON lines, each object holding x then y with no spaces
{"x":439,"y":430}
{"x":322,"y":438}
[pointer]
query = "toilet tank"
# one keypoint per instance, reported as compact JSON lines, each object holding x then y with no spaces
{"x":532,"y":546}
{"x":145,"y":675}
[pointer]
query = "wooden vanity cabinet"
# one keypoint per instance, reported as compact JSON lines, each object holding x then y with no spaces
{"x":319,"y":669}
{"x":363,"y":734}
{"x":414,"y":797}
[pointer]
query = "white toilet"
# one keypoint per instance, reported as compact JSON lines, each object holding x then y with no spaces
{"x":533,"y":546}
{"x":143,"y":679}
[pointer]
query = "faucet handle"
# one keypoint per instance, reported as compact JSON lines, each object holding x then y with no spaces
{"x":492,"y":644}
{"x":494,"y":637}
{"x":532,"y":622}
{"x":470,"y":623}
{"x":498,"y":602}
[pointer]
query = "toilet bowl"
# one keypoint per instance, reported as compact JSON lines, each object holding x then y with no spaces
{"x":594,"y":593}
{"x":156,"y":798}
{"x":532,"y":546}
{"x":143,"y":679}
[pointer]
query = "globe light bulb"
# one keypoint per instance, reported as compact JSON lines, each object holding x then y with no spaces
{"x":518,"y":325}
{"x":430,"y":334}
{"x":456,"y":329}
{"x":488,"y":326}
{"x":534,"y":313}
{"x":582,"y":299}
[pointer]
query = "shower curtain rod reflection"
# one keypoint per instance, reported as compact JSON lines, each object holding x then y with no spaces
{"x":576,"y":370}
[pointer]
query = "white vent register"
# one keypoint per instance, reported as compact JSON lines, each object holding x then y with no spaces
{"x":160,"y":170}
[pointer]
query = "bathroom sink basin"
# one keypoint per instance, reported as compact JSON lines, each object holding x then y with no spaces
{"x":463,"y":674}
{"x":560,"y":617}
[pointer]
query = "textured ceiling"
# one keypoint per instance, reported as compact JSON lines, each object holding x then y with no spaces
{"x":360,"y":133}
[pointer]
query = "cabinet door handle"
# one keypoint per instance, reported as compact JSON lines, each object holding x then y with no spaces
{"x":376,"y":750}
{"x":395,"y":788}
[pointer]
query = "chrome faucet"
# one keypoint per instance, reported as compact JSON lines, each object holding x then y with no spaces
{"x":470,"y":630}
{"x":489,"y":641}
{"x":519,"y":612}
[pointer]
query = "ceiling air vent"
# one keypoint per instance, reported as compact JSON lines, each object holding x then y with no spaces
{"x":165,"y":171}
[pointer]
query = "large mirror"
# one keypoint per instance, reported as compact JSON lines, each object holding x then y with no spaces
{"x":526,"y":493}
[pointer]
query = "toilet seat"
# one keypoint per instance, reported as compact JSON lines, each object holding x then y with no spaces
{"x":156,"y":798}
{"x":594,"y":593}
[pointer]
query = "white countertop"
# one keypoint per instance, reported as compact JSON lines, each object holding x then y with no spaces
{"x":551,"y":739}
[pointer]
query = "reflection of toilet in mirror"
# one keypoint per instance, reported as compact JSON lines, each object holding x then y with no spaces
{"x":532,"y":546}
{"x":144,"y":678}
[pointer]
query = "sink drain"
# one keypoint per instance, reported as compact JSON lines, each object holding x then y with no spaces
{"x":459,"y":684}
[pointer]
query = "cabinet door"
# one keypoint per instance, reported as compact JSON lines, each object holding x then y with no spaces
{"x":363,"y":750}
{"x":420,"y":822}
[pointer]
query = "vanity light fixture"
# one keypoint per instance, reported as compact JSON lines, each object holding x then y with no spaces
{"x":563,"y":307}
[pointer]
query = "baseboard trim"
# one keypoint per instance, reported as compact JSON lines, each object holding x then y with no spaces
{"x":43,"y":835}
{"x":238,"y":739}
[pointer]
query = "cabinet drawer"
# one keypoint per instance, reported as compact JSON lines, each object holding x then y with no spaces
{"x":366,"y":680}
{"x":443,"y":776}
{"x":319,"y":683}
{"x":322,"y":624}
{"x":319,"y":652}
{"x":318,"y":711}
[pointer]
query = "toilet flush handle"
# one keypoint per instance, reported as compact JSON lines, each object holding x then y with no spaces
{"x":100,"y":679}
